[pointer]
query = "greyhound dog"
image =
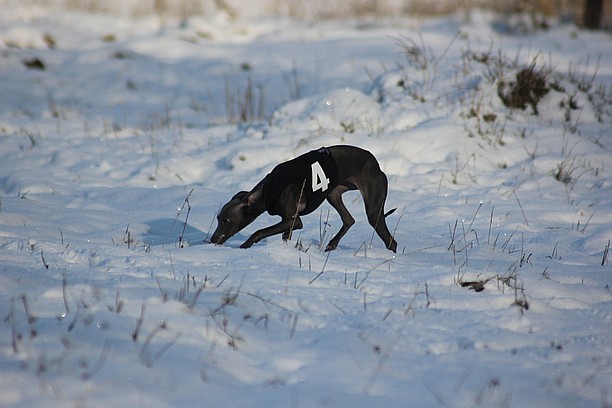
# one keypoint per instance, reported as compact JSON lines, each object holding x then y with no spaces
{"x":299,"y":186}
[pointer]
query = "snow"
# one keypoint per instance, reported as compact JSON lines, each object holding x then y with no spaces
{"x":133,"y":129}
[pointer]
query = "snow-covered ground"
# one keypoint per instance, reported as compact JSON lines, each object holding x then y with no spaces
{"x":499,"y":294}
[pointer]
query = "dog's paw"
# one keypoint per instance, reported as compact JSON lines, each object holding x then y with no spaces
{"x":331,"y":247}
{"x":247,"y":244}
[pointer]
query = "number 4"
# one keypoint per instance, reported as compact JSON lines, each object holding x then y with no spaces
{"x":319,"y":179}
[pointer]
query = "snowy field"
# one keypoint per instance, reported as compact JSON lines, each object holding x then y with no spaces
{"x":121,"y":138}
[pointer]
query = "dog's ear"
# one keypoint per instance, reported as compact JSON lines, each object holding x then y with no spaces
{"x":252,"y":197}
{"x":240,"y":195}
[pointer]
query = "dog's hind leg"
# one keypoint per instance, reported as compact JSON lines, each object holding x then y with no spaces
{"x":374,"y":195}
{"x":335,"y":199}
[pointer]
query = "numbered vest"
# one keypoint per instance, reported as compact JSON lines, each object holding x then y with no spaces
{"x":314,"y":174}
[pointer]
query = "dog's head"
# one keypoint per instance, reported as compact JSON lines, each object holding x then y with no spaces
{"x":239,"y":212}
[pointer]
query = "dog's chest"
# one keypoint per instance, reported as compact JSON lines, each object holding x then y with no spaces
{"x":311,"y":177}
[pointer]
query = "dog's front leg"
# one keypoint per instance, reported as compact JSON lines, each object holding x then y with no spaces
{"x":286,"y":226}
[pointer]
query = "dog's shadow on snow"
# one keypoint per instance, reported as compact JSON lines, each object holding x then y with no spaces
{"x":169,"y":231}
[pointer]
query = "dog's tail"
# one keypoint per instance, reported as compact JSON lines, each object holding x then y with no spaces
{"x":388,"y":213}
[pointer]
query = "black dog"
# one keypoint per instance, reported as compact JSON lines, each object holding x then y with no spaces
{"x":299,"y":186}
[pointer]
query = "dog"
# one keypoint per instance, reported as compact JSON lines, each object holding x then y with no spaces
{"x":299,"y":186}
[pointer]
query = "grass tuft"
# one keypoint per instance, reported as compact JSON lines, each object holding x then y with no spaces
{"x":604,"y":258}
{"x":529,"y":87}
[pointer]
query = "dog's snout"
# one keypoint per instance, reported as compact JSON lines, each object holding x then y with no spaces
{"x":217,"y":239}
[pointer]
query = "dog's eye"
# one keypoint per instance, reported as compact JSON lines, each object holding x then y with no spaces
{"x":225,"y":221}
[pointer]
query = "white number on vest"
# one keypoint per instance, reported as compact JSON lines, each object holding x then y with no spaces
{"x":319,"y":179}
